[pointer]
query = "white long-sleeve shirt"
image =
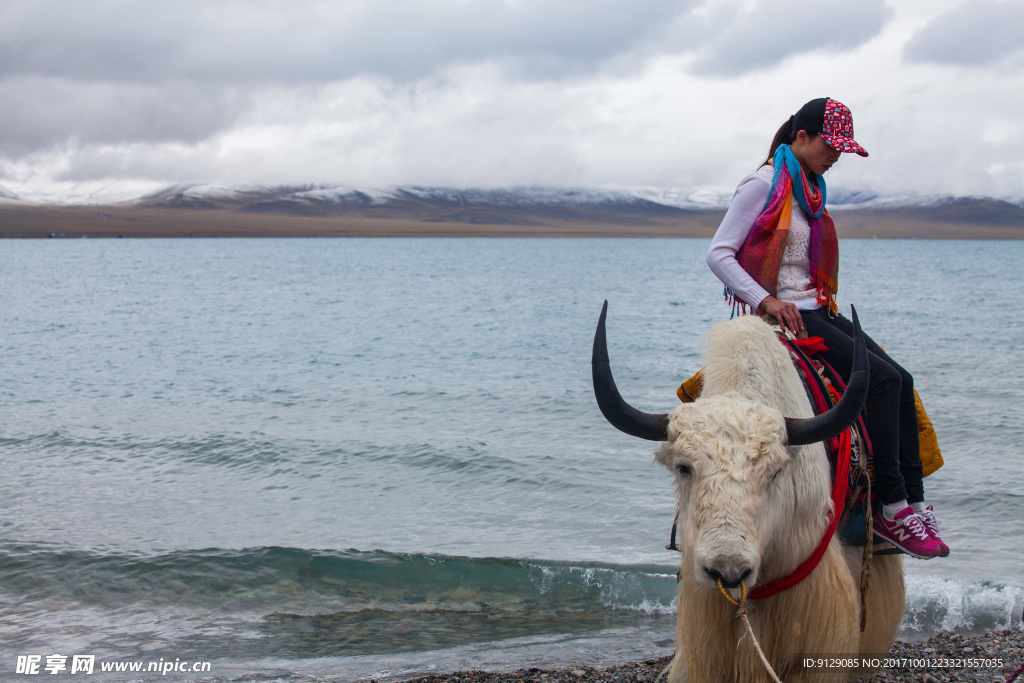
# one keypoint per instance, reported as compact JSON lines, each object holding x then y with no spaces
{"x":795,"y":283}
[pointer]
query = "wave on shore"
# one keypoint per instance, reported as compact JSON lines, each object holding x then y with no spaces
{"x":298,"y":603}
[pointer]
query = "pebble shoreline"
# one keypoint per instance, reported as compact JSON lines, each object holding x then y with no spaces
{"x":1007,"y":646}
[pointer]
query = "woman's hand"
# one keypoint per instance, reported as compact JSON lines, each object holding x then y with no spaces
{"x":786,"y":313}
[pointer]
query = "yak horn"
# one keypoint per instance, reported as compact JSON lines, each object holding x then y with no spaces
{"x":842,"y":414}
{"x":623,"y":416}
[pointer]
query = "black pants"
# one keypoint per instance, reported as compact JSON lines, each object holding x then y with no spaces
{"x":891,"y":415}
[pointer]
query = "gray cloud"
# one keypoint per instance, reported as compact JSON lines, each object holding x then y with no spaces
{"x":484,"y":93}
{"x":975,"y":33}
{"x":44,"y":112}
{"x":120,"y":71}
{"x":125,"y":40}
{"x":731,"y":41}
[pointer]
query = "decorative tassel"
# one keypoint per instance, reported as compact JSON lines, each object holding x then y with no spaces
{"x":738,"y":305}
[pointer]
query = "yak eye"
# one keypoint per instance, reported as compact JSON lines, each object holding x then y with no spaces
{"x":684,"y":470}
{"x":777,"y":473}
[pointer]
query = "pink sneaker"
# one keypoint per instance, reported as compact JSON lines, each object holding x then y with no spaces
{"x":908,"y":533}
{"x":933,"y":526}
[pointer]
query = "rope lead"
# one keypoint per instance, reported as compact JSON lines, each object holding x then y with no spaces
{"x":741,"y":612}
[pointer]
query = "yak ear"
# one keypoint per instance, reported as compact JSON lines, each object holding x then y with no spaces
{"x":842,"y":414}
{"x":620,"y":414}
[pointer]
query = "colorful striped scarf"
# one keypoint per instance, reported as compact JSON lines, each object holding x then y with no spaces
{"x":761,"y":253}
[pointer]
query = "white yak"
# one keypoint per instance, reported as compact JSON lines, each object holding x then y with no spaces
{"x":754,"y":497}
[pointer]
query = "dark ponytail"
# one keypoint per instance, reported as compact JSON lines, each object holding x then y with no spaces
{"x":785,"y":135}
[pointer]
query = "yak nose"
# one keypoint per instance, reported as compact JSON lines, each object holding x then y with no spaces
{"x":730,"y":576}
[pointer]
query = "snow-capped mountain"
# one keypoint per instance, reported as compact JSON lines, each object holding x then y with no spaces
{"x":506,"y":197}
{"x":105,"y":193}
{"x":514,"y":205}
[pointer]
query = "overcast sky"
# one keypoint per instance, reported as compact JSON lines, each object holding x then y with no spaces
{"x":501,"y":93}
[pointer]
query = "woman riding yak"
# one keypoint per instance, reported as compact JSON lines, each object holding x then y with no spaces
{"x":777,"y":253}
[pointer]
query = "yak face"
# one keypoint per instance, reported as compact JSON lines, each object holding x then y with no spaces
{"x":741,"y":488}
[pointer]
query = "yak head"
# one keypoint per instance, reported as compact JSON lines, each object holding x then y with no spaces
{"x":751,"y":474}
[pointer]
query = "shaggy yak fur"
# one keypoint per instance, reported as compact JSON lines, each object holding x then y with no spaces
{"x":749,"y":502}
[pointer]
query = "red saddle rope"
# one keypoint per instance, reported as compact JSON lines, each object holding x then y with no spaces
{"x":840,"y":484}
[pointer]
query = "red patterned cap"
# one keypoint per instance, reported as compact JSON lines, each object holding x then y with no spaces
{"x":833,"y":120}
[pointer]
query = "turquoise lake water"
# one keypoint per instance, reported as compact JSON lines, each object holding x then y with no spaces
{"x":349,"y":458}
